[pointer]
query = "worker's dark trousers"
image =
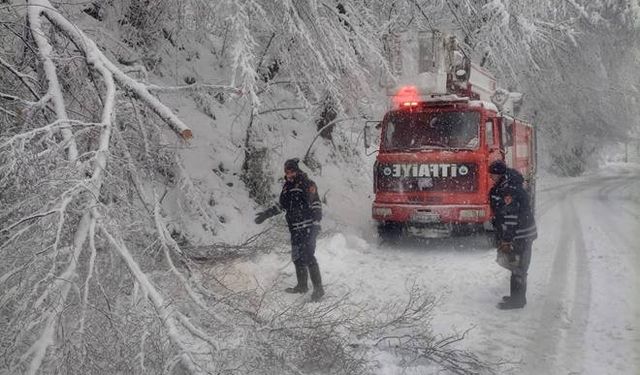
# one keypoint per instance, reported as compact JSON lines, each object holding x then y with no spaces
{"x":519,"y":274}
{"x":303,"y":247}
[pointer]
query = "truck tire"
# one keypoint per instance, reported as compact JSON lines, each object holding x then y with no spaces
{"x":390,"y":232}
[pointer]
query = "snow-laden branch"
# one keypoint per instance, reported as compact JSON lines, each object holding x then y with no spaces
{"x":94,"y":59}
{"x":166,"y":241}
{"x":319,"y":132}
{"x":28,"y":218}
{"x":92,"y":261}
{"x":63,"y":284}
{"x":8,"y":112}
{"x":15,"y":71}
{"x":167,"y":316}
{"x":243,"y":51}
{"x":194,"y":87}
{"x":56,"y":125}
{"x":95,"y":56}
{"x":35,"y":9}
{"x":156,"y":106}
{"x":14,"y":98}
{"x":581,"y":10}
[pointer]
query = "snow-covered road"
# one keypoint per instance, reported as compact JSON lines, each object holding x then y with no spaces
{"x":583,"y":315}
{"x":583,"y":312}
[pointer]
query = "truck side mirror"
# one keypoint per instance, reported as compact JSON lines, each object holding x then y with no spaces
{"x":368,"y":136}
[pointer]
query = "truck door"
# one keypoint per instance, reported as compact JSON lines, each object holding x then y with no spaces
{"x":506,"y":140}
{"x":492,"y":137}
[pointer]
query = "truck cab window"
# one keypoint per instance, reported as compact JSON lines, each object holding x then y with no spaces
{"x":388,"y":134}
{"x":507,"y":132}
{"x":489,"y":133}
{"x":425,"y":130}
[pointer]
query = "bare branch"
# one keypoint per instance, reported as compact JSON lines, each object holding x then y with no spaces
{"x":14,"y":98}
{"x":22,"y":77}
{"x":332,"y":123}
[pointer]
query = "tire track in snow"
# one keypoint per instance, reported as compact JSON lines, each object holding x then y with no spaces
{"x":605,"y":197}
{"x":578,"y":318}
{"x":556,"y":344}
{"x":618,"y":223}
{"x":560,"y":192}
{"x":557,"y":196}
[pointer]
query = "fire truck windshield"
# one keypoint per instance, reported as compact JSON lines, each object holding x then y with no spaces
{"x":403,"y":130}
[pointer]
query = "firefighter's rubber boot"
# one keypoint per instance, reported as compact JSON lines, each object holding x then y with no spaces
{"x":316,"y":280}
{"x":511,"y":288}
{"x":518,"y":298}
{"x":301,"y":276}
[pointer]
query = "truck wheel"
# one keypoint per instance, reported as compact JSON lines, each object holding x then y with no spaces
{"x":390,"y":232}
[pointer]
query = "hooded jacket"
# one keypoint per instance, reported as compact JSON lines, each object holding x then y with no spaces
{"x":510,"y":202}
{"x":300,"y":199}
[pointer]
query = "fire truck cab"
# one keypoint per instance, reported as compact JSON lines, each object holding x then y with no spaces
{"x":431,"y":172}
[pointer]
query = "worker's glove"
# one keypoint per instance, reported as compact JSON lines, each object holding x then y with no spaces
{"x":264,"y":215}
{"x":505,"y":247}
{"x":261,"y":217}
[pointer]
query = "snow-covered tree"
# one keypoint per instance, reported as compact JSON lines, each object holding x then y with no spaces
{"x":90,"y":157}
{"x":94,"y":276}
{"x":573,"y":60}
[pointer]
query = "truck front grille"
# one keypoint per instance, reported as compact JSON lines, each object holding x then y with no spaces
{"x":461,"y":177}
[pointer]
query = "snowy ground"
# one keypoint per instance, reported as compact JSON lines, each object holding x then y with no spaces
{"x":583,"y":313}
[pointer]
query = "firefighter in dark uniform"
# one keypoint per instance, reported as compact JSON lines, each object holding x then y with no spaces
{"x":515,"y":228}
{"x":300,"y":200}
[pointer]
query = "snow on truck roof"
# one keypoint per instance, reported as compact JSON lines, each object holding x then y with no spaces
{"x":411,"y":96}
{"x":443,"y":98}
{"x":453,"y":99}
{"x":481,"y":103}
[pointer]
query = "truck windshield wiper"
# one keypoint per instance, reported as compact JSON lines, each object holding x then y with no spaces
{"x":430,"y":145}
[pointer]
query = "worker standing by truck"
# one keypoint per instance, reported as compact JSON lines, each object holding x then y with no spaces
{"x":515,"y":228}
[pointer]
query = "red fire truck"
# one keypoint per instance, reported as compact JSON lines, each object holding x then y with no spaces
{"x":431,"y":172}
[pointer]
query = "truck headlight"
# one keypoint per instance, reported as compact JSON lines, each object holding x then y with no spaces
{"x":381,"y":211}
{"x":471,"y":214}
